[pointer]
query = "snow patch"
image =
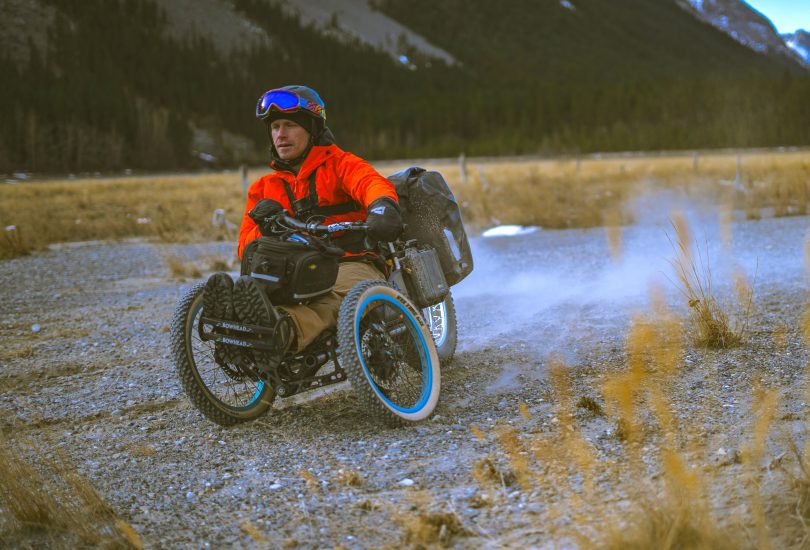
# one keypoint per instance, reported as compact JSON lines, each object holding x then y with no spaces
{"x":803,"y":52}
{"x":509,"y":230}
{"x":568,"y":5}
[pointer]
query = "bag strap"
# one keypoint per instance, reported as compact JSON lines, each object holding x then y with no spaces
{"x":308,"y":205}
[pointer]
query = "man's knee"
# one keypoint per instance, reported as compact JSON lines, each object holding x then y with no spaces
{"x":351,"y":273}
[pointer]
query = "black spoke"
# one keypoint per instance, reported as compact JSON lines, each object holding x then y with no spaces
{"x":397,"y":371}
{"x":220,"y":379}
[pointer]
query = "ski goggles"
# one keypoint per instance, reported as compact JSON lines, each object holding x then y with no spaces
{"x":285,"y":101}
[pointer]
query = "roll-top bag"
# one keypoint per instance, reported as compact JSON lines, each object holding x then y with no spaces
{"x":432,"y":216}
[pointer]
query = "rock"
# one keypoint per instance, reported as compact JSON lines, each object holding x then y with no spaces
{"x":407,"y":482}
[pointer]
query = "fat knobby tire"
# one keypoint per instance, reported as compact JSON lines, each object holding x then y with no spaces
{"x":349,"y":355}
{"x":448,"y":348}
{"x":193,"y":385}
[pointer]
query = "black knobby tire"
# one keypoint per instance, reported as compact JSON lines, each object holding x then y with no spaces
{"x":443,"y":327}
{"x":388,"y":354}
{"x":194,"y":362}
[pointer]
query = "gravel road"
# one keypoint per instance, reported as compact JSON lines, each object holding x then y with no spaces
{"x":86,"y":368}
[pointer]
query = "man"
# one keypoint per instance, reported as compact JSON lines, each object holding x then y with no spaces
{"x":347,"y":188}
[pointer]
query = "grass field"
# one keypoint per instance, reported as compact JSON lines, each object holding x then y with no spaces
{"x":556,"y":193}
{"x":672,"y":507}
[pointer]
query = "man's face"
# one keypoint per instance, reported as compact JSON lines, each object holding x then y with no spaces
{"x":289,"y":138}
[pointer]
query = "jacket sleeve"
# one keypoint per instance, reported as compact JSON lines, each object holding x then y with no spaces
{"x":362,"y":182}
{"x":249,"y":230}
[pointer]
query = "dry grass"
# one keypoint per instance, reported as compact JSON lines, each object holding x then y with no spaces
{"x":429,"y":529}
{"x":428,"y":524}
{"x":311,"y":480}
{"x":173,"y":208}
{"x":554,"y":193}
{"x":347,"y":477}
{"x":713,"y":326}
{"x":669,"y":526}
{"x":592,"y":191}
{"x":46,"y":498}
{"x":182,"y":268}
{"x":20,"y":353}
{"x":253,"y":532}
{"x":800,"y":482}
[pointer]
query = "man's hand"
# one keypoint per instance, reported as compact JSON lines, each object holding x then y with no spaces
{"x":265,"y":208}
{"x":384,"y":220}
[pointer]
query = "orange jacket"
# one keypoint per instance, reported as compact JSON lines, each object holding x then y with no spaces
{"x":340,"y":177}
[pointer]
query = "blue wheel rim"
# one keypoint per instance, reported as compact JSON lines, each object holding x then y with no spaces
{"x":427,"y":370}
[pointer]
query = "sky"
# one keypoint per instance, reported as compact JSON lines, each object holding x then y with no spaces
{"x":787,"y":15}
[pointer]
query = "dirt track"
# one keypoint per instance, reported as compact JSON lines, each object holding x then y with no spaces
{"x":96,"y":379}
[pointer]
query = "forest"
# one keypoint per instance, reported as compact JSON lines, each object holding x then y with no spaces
{"x":114,"y":89}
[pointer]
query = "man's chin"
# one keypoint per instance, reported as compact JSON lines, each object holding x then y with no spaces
{"x":286,"y":155}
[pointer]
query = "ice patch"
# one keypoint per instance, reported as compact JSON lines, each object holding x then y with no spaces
{"x":509,"y":230}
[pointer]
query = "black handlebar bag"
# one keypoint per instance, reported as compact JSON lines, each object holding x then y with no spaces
{"x":289,"y":272}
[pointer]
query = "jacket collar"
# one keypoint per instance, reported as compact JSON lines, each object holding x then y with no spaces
{"x":317,"y":156}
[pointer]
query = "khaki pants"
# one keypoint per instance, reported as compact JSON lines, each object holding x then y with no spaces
{"x":320,"y":314}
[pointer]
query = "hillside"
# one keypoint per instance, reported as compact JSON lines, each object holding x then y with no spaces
{"x":157,"y":84}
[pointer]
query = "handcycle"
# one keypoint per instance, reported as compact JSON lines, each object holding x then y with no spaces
{"x":386,"y":346}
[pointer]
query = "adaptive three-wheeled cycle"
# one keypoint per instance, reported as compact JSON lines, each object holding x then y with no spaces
{"x":390,"y":339}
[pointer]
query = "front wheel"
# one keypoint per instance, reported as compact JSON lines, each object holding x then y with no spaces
{"x":441,"y":321}
{"x":221,"y":390}
{"x":388,"y":353}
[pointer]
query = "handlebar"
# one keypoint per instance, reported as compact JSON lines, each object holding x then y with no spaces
{"x":317,"y":228}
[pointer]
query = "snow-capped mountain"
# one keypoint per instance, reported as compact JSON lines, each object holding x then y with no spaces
{"x":799,"y":42}
{"x":743,"y":23}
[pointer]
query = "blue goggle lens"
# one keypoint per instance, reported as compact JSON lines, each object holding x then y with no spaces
{"x":281,"y":100}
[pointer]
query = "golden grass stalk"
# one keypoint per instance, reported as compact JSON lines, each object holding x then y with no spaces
{"x":348,"y":477}
{"x":478,"y":433}
{"x":12,"y":243}
{"x":798,"y":508}
{"x":54,"y":500}
{"x":253,"y":532}
{"x":510,"y":442}
{"x":426,"y":525}
{"x":712,"y":327}
{"x":311,"y":481}
{"x":181,"y":267}
{"x":575,"y":446}
{"x":658,"y":526}
{"x":765,"y":402}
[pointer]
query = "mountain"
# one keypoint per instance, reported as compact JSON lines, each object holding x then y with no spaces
{"x":156,"y":84}
{"x":743,"y":23}
{"x":799,"y":42}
